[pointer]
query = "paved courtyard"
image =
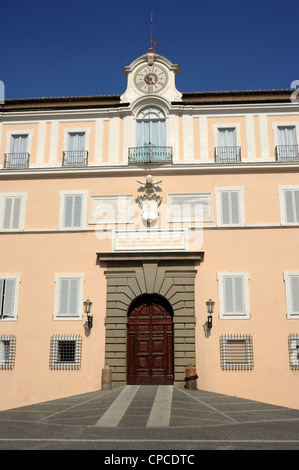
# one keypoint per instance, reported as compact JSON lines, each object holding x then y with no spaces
{"x":166,"y":418}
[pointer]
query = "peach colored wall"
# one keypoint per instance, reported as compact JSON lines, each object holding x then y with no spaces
{"x":264,"y":253}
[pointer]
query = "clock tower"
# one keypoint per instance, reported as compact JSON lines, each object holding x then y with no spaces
{"x":151,"y":75}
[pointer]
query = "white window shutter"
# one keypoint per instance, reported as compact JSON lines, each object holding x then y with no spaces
{"x":63,"y":297}
{"x":12,"y":211}
{"x":73,"y":204}
{"x":291,"y":201}
{"x":225,"y":207}
{"x":294,"y":285}
{"x":239,"y":294}
{"x":228,"y":294}
{"x":69,"y":297}
{"x":9,"y":297}
{"x":74,"y":285}
{"x":77,"y":211}
{"x":1,"y":294}
{"x":233,"y":289}
{"x":230,"y":207}
{"x":235,"y":209}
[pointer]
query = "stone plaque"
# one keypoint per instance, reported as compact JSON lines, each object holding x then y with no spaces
{"x":150,"y":240}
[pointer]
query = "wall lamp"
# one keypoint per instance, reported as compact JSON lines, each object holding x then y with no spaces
{"x":87,"y":305}
{"x":210,"y":306}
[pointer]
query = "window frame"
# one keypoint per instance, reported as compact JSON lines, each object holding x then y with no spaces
{"x":241,"y":204}
{"x":63,"y":194}
{"x":248,"y":364}
{"x":21,"y":225}
{"x":231,"y":316}
{"x":289,"y":301}
{"x":10,"y":363}
{"x":17,"y":278}
{"x":283,"y":212}
{"x":55,"y":364}
{"x":59,"y":317}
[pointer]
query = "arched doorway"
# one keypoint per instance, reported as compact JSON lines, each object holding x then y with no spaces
{"x":150,"y":341}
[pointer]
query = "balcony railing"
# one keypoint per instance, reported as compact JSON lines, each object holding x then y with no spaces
{"x":287,"y":152}
{"x":227,"y":154}
{"x":75,"y":158}
{"x":16,"y":160}
{"x":150,"y":154}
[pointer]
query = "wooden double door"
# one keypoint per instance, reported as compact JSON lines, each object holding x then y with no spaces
{"x":150,"y":343}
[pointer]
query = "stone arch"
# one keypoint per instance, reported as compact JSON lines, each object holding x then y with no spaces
{"x":130,"y":275}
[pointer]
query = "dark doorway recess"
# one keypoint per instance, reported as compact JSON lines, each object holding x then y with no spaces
{"x":150,"y":341}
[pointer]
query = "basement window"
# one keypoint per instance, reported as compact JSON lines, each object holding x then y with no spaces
{"x":65,"y":352}
{"x":294,"y":352}
{"x":7,"y":352}
{"x":236,"y":352}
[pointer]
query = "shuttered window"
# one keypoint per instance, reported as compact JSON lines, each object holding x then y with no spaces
{"x":69,"y":297}
{"x":73,"y":205}
{"x":233,"y":295}
{"x":291,"y":205}
{"x":12,"y":212}
{"x":292,"y":293}
{"x":230,"y":207}
{"x":7,"y":293}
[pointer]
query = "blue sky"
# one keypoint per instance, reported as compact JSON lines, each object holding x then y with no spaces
{"x":79,"y":47}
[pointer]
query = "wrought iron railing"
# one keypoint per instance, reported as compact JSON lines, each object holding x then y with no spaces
{"x":75,"y":158}
{"x":287,"y":152}
{"x":16,"y":160}
{"x":150,"y":153}
{"x":227,"y":154}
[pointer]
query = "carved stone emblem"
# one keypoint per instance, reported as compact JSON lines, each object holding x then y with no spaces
{"x":149,"y":200}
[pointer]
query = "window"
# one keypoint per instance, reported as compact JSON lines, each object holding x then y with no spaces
{"x":236,"y":352}
{"x":65,"y":352}
{"x":69,"y":296}
{"x":190,"y":207}
{"x":12,"y":206}
{"x":294,"y":351}
{"x":287,"y":148}
{"x":73,"y":209}
{"x":230,"y":206}
{"x":289,"y":204}
{"x":227,"y":150}
{"x":9,"y":293}
{"x":76,"y":154}
{"x":18,"y":156}
{"x":233,"y":295}
{"x":7,"y":352}
{"x":151,"y":127}
{"x":291,"y":279}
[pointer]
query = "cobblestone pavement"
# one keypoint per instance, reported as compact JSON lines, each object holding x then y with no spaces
{"x":168,"y":418}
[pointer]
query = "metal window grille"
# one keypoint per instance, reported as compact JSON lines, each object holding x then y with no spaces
{"x":65,"y":352}
{"x":294,"y":351}
{"x":7,"y":352}
{"x":236,"y":352}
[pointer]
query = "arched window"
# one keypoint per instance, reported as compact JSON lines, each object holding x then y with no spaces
{"x":151,"y":127}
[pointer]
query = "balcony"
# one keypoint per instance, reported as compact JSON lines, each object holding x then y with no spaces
{"x":16,"y":160}
{"x":227,"y":154}
{"x":150,"y":153}
{"x":287,"y":152}
{"x":75,"y":158}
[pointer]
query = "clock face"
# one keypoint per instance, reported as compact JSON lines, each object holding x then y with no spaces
{"x":150,"y":78}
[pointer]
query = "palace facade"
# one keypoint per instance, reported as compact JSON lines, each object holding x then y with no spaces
{"x":146,"y":232}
